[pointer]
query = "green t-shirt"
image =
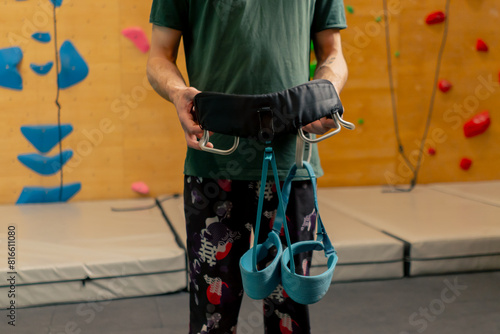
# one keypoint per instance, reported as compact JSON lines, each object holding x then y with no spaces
{"x":247,"y":47}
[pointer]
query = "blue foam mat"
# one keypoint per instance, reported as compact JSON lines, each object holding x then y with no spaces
{"x":74,"y":69}
{"x":34,"y":195}
{"x":45,"y":137}
{"x":9,"y":75}
{"x":45,"y":165}
{"x":42,"y":69}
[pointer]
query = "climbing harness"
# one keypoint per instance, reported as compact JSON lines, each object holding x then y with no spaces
{"x":266,"y":117}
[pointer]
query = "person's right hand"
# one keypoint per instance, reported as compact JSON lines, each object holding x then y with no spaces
{"x":183,"y":102}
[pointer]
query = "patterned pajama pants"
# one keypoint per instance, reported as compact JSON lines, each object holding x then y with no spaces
{"x":220,"y":215}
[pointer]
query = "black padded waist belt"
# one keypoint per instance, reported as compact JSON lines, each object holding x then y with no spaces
{"x":267,"y":115}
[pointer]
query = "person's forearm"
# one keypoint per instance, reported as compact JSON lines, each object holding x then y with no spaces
{"x":165,"y":77}
{"x":334,"y":69}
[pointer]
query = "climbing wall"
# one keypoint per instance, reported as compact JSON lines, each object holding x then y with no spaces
{"x":118,"y":131}
{"x":369,"y":155}
{"x":362,"y":156}
{"x":122,"y":132}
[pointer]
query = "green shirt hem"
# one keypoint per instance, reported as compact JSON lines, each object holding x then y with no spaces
{"x":255,"y":175}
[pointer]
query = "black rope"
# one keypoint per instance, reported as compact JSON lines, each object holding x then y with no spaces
{"x":414,"y":169}
{"x":58,"y":104}
{"x":391,"y":87}
{"x":434,"y":90}
{"x":146,"y":207}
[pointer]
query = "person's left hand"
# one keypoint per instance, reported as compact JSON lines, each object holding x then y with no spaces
{"x":320,"y":126}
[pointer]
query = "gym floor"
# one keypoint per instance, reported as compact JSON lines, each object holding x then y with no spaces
{"x":458,"y":304}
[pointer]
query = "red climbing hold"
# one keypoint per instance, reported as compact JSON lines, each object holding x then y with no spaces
{"x":481,"y":45}
{"x":465,"y":163}
{"x":444,"y":85}
{"x":435,"y":17}
{"x":477,"y":124}
{"x":137,"y":35}
{"x":431,"y":151}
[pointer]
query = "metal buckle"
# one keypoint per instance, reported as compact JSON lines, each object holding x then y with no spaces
{"x":266,"y":132}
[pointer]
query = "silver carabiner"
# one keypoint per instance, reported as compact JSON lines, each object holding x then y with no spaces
{"x":337,"y":120}
{"x":204,"y":140}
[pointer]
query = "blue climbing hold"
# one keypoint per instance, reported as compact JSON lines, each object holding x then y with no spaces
{"x":42,"y":69}
{"x":9,"y":75}
{"x":32,"y":195}
{"x":42,"y":37}
{"x":57,"y":3}
{"x":73,"y":67}
{"x":45,"y":165}
{"x":45,"y":137}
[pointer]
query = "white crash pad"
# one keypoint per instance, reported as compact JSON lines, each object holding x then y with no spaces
{"x":487,"y":192}
{"x":84,"y":251}
{"x":444,"y":233}
{"x":364,"y":252}
{"x":173,"y":207}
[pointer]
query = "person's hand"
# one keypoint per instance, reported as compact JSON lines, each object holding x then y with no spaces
{"x":183,"y":102}
{"x":320,"y":126}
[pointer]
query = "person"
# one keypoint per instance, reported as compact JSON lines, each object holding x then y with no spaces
{"x":241,"y":47}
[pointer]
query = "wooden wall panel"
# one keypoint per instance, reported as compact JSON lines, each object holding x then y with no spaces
{"x":33,"y":105}
{"x":124,"y":132}
{"x":94,"y":27}
{"x":465,"y":68}
{"x":414,"y":70}
{"x":363,"y":156}
{"x":154,"y":146}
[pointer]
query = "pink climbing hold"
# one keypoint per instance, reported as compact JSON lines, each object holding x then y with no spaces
{"x":481,"y":45}
{"x":435,"y":17}
{"x":477,"y":124}
{"x":444,"y":85}
{"x":465,"y":163}
{"x":137,"y":35}
{"x":140,"y":187}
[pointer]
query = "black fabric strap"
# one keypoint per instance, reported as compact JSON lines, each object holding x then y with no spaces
{"x":267,"y":115}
